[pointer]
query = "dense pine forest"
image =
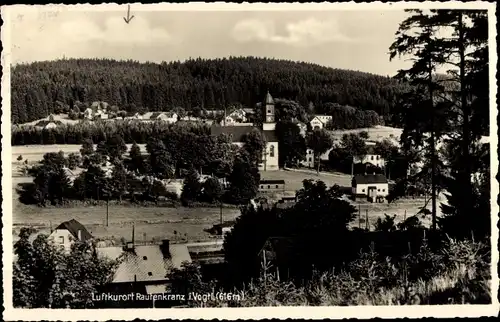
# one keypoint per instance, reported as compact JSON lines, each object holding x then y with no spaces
{"x":42,"y":88}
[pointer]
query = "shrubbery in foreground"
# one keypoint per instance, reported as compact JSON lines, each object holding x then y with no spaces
{"x":457,"y":274}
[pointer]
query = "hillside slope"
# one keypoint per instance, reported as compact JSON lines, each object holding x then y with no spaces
{"x":41,"y":88}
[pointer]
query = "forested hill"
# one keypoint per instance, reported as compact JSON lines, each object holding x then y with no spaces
{"x":41,"y":88}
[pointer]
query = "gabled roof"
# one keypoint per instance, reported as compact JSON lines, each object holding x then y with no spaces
{"x":155,"y":115}
{"x":317,"y":117}
{"x":369,"y":178}
{"x":146,"y":263}
{"x":73,"y":227}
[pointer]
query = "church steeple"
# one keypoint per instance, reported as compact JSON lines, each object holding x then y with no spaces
{"x":269,"y":106}
{"x":269,"y":113}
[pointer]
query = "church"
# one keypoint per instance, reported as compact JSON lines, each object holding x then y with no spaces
{"x":237,"y":132}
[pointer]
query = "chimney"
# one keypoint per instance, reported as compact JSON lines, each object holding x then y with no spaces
{"x":165,"y":248}
{"x":79,"y":235}
{"x":130,"y":246}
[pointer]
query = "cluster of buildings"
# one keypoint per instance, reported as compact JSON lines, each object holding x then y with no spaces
{"x":141,"y":268}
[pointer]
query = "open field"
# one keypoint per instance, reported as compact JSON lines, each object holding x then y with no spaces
{"x":151,"y":223}
{"x":34,"y":153}
{"x":154,"y":223}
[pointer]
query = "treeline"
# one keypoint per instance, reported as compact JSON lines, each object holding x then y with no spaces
{"x":129,"y":130}
{"x":41,"y":88}
{"x":348,"y":117}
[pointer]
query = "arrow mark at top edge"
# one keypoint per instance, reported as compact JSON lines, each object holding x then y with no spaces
{"x":127,"y":20}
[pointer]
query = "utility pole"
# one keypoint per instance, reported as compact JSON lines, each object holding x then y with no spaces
{"x":221,"y":214}
{"x":359,"y":216}
{"x":107,"y":212}
{"x":367,"y":221}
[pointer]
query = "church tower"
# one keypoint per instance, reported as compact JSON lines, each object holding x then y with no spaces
{"x":269,"y":123}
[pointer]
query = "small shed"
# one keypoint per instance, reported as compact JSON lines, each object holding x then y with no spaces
{"x":271,"y":186}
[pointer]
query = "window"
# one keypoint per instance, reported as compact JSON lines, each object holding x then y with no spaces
{"x":61,"y":240}
{"x":271,"y":151}
{"x":262,"y":186}
{"x":372,"y":157}
{"x":145,"y":258}
{"x":276,"y":186}
{"x":363,"y":190}
{"x":383,"y":190}
{"x":310,"y":159}
{"x":150,"y":274}
{"x":378,"y":157}
{"x":378,"y":190}
{"x":268,"y":111}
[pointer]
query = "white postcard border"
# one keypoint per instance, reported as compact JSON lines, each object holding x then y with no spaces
{"x":241,"y":313}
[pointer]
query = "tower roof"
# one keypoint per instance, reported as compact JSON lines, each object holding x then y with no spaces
{"x":269,"y":98}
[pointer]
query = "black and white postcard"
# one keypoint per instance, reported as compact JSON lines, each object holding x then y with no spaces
{"x":249,"y":161}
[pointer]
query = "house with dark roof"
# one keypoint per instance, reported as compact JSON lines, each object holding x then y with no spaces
{"x":144,"y":268}
{"x":372,"y":186}
{"x":68,"y":232}
{"x":268,"y":130}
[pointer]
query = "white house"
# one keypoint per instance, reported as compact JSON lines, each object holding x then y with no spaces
{"x":371,"y":157}
{"x":373,"y":186}
{"x":302,"y":128}
{"x":88,"y":113}
{"x":169,"y":117}
{"x":228,"y":120}
{"x":67,"y":232}
{"x":320,"y":121}
{"x":309,"y":161}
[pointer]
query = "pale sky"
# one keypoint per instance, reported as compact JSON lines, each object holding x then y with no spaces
{"x":357,"y":40}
